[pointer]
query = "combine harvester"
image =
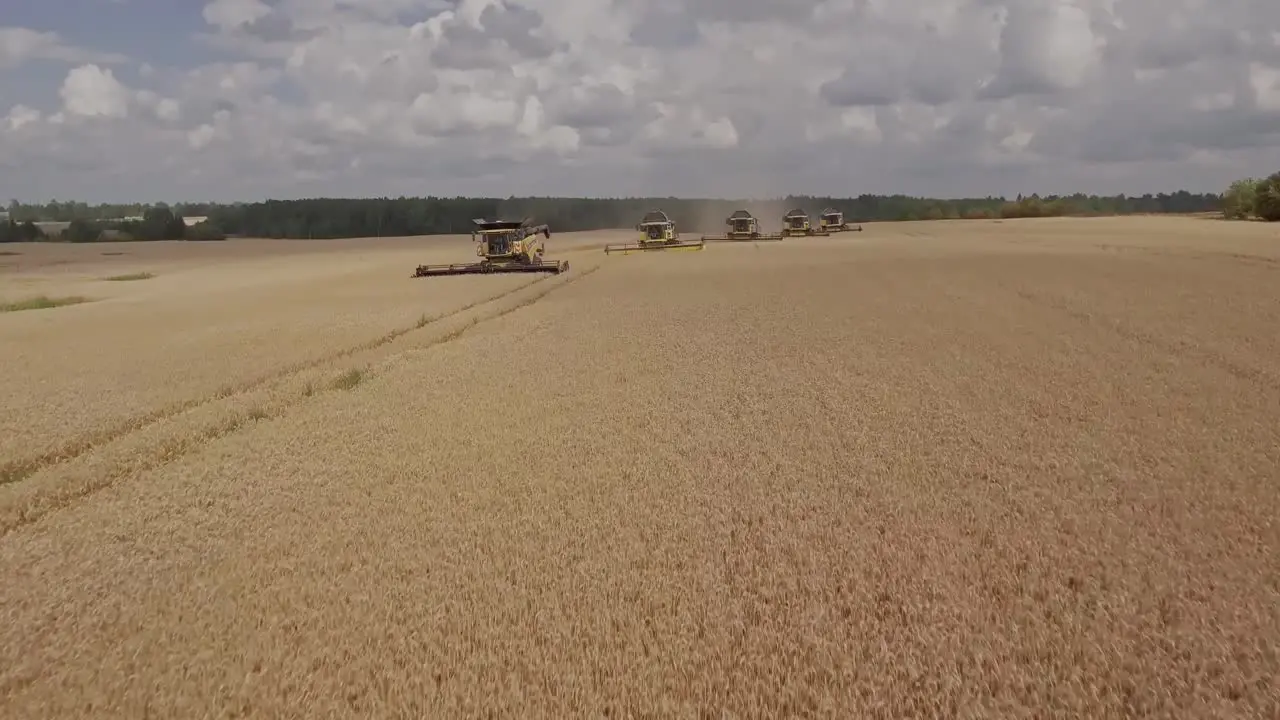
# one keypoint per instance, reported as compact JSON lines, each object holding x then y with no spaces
{"x":832,"y":221}
{"x":505,"y":246}
{"x":796,"y":224}
{"x":657,"y":232}
{"x":743,"y":227}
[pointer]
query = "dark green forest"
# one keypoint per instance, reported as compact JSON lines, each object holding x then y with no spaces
{"x":339,"y":217}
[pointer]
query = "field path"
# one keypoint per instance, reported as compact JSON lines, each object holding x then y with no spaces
{"x":871,"y":476}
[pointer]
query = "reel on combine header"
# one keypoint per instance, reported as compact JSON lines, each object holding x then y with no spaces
{"x":506,"y":246}
{"x":657,"y":232}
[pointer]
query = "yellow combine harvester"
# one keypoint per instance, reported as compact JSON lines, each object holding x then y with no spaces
{"x":796,"y":224}
{"x":743,"y":227}
{"x":657,"y":232}
{"x":832,"y":221}
{"x":505,"y":246}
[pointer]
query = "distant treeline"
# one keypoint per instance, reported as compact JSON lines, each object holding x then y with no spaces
{"x":337,"y":217}
{"x":155,"y":223}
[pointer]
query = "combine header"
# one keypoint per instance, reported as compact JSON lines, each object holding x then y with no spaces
{"x":832,"y":221}
{"x":796,"y":224}
{"x":505,"y":246}
{"x":743,"y":227}
{"x":657,"y":232}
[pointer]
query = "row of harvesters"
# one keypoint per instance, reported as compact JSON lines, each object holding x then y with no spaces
{"x":518,"y":246}
{"x":658,"y":232}
{"x":796,"y":224}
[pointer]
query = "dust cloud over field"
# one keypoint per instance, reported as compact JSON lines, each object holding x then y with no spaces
{"x":710,"y":217}
{"x":966,"y":469}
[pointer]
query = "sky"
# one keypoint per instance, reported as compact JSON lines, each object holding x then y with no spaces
{"x":179,"y":100}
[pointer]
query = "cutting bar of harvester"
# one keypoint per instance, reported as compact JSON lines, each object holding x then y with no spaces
{"x":759,"y":237}
{"x":628,"y":248}
{"x":489,"y":268}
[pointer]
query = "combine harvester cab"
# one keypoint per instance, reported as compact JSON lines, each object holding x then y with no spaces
{"x":832,"y":221}
{"x":743,"y":227}
{"x":657,"y":232}
{"x":504,"y":246}
{"x":796,"y":224}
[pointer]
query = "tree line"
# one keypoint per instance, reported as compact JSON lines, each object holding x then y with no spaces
{"x":155,"y":223}
{"x":372,"y":217}
{"x":1250,"y":198}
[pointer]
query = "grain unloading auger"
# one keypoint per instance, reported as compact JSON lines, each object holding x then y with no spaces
{"x":504,"y":246}
{"x":743,"y":227}
{"x":657,"y":232}
{"x":796,"y":224}
{"x":832,"y":221}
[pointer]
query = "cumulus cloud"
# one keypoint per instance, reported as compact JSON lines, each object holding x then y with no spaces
{"x":93,"y":91}
{"x":699,"y":97}
{"x":1046,"y":48}
{"x":235,"y":14}
{"x":19,"y":46}
{"x":21,"y":115}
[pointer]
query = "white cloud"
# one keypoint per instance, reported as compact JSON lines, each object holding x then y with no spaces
{"x":232,"y":14}
{"x":700,"y":97}
{"x":1045,"y":48}
{"x":19,"y":46}
{"x":560,"y":139}
{"x":860,"y":123}
{"x":168,"y":109}
{"x":719,"y":133}
{"x":678,"y":129}
{"x":200,"y":137}
{"x":466,"y":111}
{"x":1265,"y":82}
{"x":94,"y":91}
{"x":20,"y":115}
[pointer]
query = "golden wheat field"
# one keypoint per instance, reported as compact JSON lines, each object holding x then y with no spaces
{"x":953,"y":469}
